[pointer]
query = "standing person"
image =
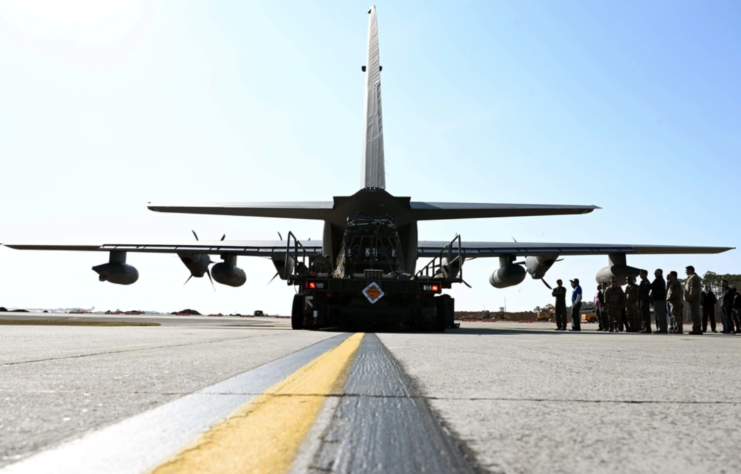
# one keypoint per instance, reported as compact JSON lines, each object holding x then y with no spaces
{"x":576,"y":305}
{"x":707,"y":301}
{"x":692,"y":297}
{"x":644,"y":302}
{"x":631,"y":309}
{"x":615,"y":301}
{"x":674,"y":297}
{"x":597,"y":306}
{"x":726,"y":307}
{"x":560,"y":294}
{"x":603,"y":307}
{"x":599,"y":303}
{"x":737,"y":310}
{"x":658,"y":296}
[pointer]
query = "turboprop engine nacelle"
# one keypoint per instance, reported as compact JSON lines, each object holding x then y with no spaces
{"x":197,"y":263}
{"x":617,"y":268}
{"x":228,"y":273}
{"x":538,"y":266}
{"x":116,"y":270}
{"x":508,"y":274}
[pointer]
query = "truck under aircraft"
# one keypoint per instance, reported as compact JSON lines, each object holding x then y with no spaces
{"x":364,"y":270}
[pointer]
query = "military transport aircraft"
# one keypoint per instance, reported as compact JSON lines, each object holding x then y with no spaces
{"x":363,"y":271}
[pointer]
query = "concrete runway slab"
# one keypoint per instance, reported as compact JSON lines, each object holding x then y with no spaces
{"x":525,"y":398}
{"x":60,"y":382}
{"x":516,"y":397}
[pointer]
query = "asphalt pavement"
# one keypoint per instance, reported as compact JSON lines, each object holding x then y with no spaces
{"x":257,"y":396}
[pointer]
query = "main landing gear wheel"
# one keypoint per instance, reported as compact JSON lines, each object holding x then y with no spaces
{"x":297,"y":312}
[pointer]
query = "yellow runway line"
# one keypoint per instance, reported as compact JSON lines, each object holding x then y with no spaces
{"x":265,"y":434}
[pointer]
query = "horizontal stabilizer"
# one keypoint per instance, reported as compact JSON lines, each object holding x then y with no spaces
{"x":427,"y":211}
{"x":286,"y":210}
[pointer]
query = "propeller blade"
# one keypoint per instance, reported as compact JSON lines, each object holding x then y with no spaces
{"x":223,"y":237}
{"x":208,"y":272}
{"x":194,"y":234}
{"x":281,"y":237}
{"x":466,"y":283}
{"x":271,"y":280}
{"x":186,"y":281}
{"x":546,"y":284}
{"x":515,"y":240}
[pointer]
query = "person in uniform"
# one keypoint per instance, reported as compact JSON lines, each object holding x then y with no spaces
{"x":604,"y":322}
{"x":707,"y":301}
{"x":631,"y":308}
{"x":615,"y":301}
{"x":644,"y":302}
{"x":559,"y":293}
{"x":692,"y":291}
{"x":727,"y":293}
{"x":658,"y":296}
{"x":674,"y":297}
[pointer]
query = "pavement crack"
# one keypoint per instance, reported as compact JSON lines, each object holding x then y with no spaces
{"x":573,"y":400}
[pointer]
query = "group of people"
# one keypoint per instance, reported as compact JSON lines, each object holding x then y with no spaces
{"x":630,"y":309}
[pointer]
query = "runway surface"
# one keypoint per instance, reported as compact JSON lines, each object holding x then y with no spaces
{"x":199,"y":394}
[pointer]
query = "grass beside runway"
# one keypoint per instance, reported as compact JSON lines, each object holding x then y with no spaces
{"x":265,"y":434}
{"x":76,"y":322}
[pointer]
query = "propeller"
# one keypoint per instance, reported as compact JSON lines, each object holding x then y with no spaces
{"x":208,"y":270}
{"x":271,"y":280}
{"x":546,"y":283}
{"x":276,"y":273}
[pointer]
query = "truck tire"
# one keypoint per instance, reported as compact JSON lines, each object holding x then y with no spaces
{"x":297,"y":312}
{"x":440,"y":314}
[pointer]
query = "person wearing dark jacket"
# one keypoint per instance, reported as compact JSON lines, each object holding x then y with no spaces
{"x":644,"y":302}
{"x":727,"y":293}
{"x":559,"y":293}
{"x":707,"y":301}
{"x":658,"y":296}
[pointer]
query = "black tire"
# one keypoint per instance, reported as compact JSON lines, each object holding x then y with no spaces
{"x":297,"y":312}
{"x":440,"y":314}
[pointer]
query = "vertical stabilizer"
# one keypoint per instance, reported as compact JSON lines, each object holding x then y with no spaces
{"x":373,"y":169}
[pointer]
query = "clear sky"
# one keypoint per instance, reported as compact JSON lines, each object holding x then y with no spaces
{"x":104,"y":106}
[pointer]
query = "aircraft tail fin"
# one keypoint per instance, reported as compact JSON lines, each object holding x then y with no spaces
{"x":373,"y":168}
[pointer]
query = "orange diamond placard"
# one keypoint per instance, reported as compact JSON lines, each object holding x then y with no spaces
{"x":373,"y":292}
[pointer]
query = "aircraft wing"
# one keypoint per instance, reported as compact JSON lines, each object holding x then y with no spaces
{"x":525,"y":249}
{"x":252,"y":248}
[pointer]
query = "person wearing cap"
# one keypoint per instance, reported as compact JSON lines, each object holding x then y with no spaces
{"x":576,"y":305}
{"x":631,"y":309}
{"x":559,"y":292}
{"x":692,"y":292}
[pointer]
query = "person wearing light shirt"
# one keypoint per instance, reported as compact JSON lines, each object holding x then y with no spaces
{"x":576,"y":305}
